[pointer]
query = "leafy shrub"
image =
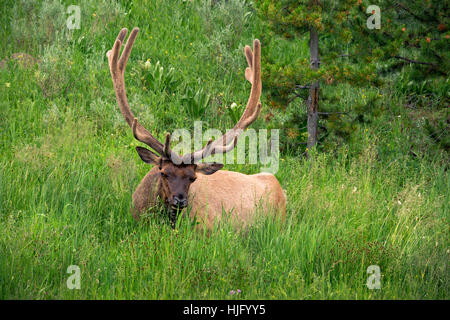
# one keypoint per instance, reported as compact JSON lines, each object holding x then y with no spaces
{"x":157,"y":78}
{"x":195,"y":102}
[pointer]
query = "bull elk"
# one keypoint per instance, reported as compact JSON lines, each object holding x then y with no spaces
{"x":179,"y":180}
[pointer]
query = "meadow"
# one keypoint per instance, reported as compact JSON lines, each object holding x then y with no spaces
{"x":68,"y":168}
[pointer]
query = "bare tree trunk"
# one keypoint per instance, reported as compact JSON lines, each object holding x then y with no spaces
{"x":313,"y":99}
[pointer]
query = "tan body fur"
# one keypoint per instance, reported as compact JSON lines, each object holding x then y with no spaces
{"x":224,"y":191}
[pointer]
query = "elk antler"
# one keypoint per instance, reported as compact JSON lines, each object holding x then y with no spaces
{"x":229,"y":140}
{"x":222,"y":145}
{"x":117,"y":67}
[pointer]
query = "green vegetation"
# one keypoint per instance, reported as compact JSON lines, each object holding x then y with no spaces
{"x":349,"y":45}
{"x":378,"y":196}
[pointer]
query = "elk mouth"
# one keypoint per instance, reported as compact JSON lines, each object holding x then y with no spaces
{"x":175,"y":208}
{"x":173,"y":214}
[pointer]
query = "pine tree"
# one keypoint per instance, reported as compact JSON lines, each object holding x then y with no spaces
{"x":351,"y":37}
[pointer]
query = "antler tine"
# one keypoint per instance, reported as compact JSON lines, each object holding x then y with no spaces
{"x":225,"y":149}
{"x":249,"y":55}
{"x":117,"y":68}
{"x":208,"y":151}
{"x":167,"y":145}
{"x":207,"y":148}
{"x":251,"y":112}
{"x":113,"y":55}
{"x":127,"y":50}
{"x":135,"y":133}
{"x":248,"y":71}
{"x":198,"y":155}
{"x":168,"y":153}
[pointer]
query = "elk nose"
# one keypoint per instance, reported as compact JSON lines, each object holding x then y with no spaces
{"x":179,"y":201}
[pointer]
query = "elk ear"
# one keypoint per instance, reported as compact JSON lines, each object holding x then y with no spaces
{"x":147,"y":156}
{"x":208,"y":167}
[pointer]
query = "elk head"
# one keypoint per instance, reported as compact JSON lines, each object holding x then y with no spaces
{"x":177,"y":173}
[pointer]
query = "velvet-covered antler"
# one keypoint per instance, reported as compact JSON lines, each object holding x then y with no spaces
{"x":117,"y":67}
{"x":229,"y":140}
{"x":222,"y":145}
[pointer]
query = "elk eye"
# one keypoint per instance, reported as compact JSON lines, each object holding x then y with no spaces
{"x":192,"y":179}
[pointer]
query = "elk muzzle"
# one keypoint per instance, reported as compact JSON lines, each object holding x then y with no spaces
{"x":178,"y":202}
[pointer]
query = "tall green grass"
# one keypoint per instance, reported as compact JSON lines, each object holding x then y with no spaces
{"x":68,"y":169}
